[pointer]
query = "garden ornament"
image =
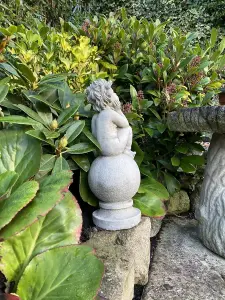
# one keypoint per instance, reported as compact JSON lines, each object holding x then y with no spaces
{"x":114,"y":177}
{"x":210,"y":211}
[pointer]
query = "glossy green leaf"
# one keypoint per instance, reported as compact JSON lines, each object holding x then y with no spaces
{"x":175,"y":161}
{"x":60,"y":227}
{"x":43,"y":100}
{"x":44,"y":112}
{"x":187,"y":167}
{"x":74,"y":130}
{"x":213,"y":38}
{"x":38,"y":134}
{"x":149,"y":204}
{"x":7,"y":180}
{"x":133,"y":94}
{"x":90,"y":136}
{"x":18,"y":120}
{"x":139,"y":156}
{"x":3,"y":92}
{"x":60,"y":165}
{"x":172,"y":184}
{"x":47,"y":162}
{"x":26,"y":71}
{"x":67,"y":113}
{"x":30,"y":113}
{"x":50,"y":134}
{"x":182,"y":148}
{"x":85,"y":192}
{"x":194,"y":159}
{"x":50,"y":193}
{"x":150,"y":184}
{"x":82,"y":161}
{"x":20,"y":153}
{"x":81,"y":148}
{"x":73,"y":267}
{"x":10,"y":206}
{"x":149,"y":131}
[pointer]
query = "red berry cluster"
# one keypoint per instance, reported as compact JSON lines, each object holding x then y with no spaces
{"x":194,"y":79}
{"x":126,"y":108}
{"x":171,"y":89}
{"x":140,"y":95}
{"x":195,"y":61}
{"x":85,"y":25}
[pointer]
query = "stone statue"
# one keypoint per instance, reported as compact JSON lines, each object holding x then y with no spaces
{"x":114,"y":177}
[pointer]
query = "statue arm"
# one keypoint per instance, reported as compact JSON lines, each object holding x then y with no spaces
{"x":93,"y":125}
{"x":119,"y":119}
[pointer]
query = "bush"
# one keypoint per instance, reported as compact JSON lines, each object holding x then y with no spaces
{"x":159,"y":70}
{"x":191,"y":15}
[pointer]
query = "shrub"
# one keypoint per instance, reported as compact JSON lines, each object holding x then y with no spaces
{"x":159,"y":70}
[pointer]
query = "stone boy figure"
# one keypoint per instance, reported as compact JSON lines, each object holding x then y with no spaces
{"x":114,"y":176}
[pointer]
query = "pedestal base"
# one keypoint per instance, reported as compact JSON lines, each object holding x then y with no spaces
{"x":116,"y":219}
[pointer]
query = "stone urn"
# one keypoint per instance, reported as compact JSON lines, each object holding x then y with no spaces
{"x":114,"y":177}
{"x":210,"y":211}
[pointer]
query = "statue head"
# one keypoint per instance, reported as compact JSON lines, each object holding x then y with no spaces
{"x":101,"y":95}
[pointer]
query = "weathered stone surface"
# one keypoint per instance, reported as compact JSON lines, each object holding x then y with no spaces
{"x":198,"y":119}
{"x":155,"y":226}
{"x":195,"y":196}
{"x":126,"y":256}
{"x":210,"y":211}
{"x":179,"y":203}
{"x":182,"y":268}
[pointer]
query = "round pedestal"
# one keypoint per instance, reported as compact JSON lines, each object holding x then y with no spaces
{"x":116,"y":219}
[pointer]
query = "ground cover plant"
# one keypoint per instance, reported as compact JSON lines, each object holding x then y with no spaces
{"x":40,"y":227}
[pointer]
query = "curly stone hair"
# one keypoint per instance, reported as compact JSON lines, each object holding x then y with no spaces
{"x":99,"y":95}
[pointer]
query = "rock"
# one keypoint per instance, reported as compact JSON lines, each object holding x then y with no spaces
{"x":182,"y":268}
{"x":195,"y":196}
{"x":179,"y":203}
{"x":126,"y":256}
{"x":155,"y":226}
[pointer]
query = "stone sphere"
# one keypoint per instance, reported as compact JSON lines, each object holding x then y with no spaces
{"x":114,"y":178}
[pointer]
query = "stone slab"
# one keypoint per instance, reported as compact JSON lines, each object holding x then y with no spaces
{"x":126,"y":256}
{"x":179,"y":203}
{"x":182,"y":268}
{"x":198,"y":119}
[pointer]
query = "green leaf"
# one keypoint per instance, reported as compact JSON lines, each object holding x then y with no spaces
{"x":155,"y":113}
{"x":26,"y":72}
{"x":149,"y":131}
{"x":7,"y":180}
{"x":82,"y":161}
{"x":90,"y":136}
{"x":107,"y":65}
{"x":9,"y":207}
{"x":20,"y":153}
{"x":187,"y":167}
{"x":172,"y":184}
{"x":41,"y":99}
{"x":194,"y":159}
{"x":213,"y":38}
{"x":161,"y":127}
{"x":30,"y":113}
{"x":133,"y":94}
{"x":60,"y":227}
{"x":50,"y":193}
{"x":75,"y":267}
{"x":67,"y":113}
{"x":175,"y":161}
{"x":47,"y":162}
{"x":60,"y":165}
{"x":149,"y":204}
{"x":44,"y":112}
{"x":74,"y":130}
{"x":155,"y":187}
{"x":3,"y":92}
{"x":50,"y":134}
{"x":39,"y":135}
{"x":85,"y":192}
{"x":139,"y":156}
{"x":18,"y":120}
{"x":81,"y":148}
{"x":182,"y":148}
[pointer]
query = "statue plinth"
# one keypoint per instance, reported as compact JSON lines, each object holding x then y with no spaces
{"x":115,"y":180}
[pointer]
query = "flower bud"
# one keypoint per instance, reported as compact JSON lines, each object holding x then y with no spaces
{"x":63,"y":142}
{"x":54,"y":124}
{"x":76,"y":117}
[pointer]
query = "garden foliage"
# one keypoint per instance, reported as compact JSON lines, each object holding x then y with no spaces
{"x":40,"y":227}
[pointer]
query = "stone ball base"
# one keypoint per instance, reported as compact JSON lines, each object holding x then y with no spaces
{"x":116,"y":219}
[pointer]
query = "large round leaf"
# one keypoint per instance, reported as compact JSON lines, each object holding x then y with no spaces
{"x":7,"y":180}
{"x":20,"y":153}
{"x":66,"y":273}
{"x":50,"y":193}
{"x":60,"y":227}
{"x":10,"y":206}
